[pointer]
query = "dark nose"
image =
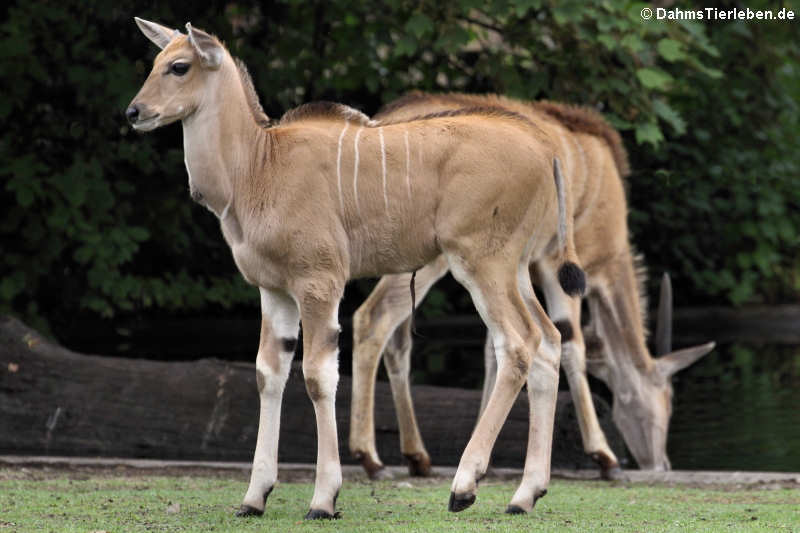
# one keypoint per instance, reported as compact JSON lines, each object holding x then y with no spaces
{"x":132,"y":113}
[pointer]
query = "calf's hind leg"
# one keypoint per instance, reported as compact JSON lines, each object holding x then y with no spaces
{"x":566,"y":313}
{"x":542,"y":395}
{"x":516,"y":338}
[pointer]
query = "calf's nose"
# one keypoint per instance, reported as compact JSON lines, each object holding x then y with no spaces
{"x":132,"y":114}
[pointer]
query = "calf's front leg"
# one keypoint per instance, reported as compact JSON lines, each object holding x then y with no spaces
{"x":319,"y":315}
{"x":279,"y":320}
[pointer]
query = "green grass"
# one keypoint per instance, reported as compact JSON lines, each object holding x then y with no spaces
{"x":133,"y":504}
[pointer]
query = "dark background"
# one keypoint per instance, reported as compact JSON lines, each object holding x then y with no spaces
{"x":98,"y":231}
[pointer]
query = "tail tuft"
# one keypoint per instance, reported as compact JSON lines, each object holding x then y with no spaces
{"x":572,"y":279}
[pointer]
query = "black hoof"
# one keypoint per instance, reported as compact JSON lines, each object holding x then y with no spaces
{"x":459,"y":502}
{"x":317,"y":514}
{"x":246,"y":510}
{"x":516,"y":509}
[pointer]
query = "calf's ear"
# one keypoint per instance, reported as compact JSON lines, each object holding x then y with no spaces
{"x":160,"y":35}
{"x":207,"y":47}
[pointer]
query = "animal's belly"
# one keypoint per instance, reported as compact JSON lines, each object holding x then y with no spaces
{"x":376,"y":254}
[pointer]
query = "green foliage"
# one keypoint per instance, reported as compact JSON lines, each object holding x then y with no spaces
{"x":96,"y":219}
{"x":723,"y":214}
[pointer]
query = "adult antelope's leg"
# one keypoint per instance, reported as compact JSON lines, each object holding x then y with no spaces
{"x":542,"y":396}
{"x":565,"y":312}
{"x":516,"y":337}
{"x":279,"y":321}
{"x":319,"y":305}
{"x":397,"y":358}
{"x":374,"y":322}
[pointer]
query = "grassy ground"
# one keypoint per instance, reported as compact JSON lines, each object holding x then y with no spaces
{"x":132,"y":504}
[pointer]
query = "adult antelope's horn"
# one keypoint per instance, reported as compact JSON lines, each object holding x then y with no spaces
{"x":673,"y":362}
{"x":664,"y":318}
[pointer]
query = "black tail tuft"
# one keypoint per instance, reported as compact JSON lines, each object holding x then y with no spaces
{"x":572,"y":279}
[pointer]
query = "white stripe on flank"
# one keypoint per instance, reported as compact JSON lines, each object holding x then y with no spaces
{"x":339,"y":165}
{"x":383,"y":166}
{"x":561,"y":194}
{"x":408,"y":166}
{"x":355,"y":168}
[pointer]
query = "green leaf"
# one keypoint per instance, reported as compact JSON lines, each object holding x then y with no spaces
{"x":138,"y":233}
{"x":653,"y":78}
{"x":405,"y":46}
{"x":12,"y":285}
{"x":671,"y":50}
{"x":633,"y":43}
{"x":608,"y":41}
{"x":670,"y":116}
{"x":649,"y":132}
{"x":24,"y":196}
{"x":523,"y":6}
{"x":419,"y":24}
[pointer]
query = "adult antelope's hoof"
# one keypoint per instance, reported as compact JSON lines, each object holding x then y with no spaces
{"x":459,"y":502}
{"x":375,"y":471}
{"x":318,"y":514}
{"x":615,"y":473}
{"x":609,"y":468}
{"x":246,"y":510}
{"x":419,"y":465}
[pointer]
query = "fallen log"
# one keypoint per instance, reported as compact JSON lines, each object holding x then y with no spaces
{"x":58,"y":402}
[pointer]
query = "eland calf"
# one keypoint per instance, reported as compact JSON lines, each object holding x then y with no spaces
{"x":327,"y":195}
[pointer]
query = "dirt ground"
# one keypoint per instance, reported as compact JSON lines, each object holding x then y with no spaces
{"x":79,"y":468}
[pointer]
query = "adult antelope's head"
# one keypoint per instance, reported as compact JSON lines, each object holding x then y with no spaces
{"x":181,"y":78}
{"x":642,"y":392}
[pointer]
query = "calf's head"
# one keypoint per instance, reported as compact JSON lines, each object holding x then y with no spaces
{"x":182,"y":77}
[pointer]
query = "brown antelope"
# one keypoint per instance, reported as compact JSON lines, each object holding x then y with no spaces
{"x":327,"y":195}
{"x":595,"y":163}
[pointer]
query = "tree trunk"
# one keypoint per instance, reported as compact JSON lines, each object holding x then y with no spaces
{"x":55,"y":401}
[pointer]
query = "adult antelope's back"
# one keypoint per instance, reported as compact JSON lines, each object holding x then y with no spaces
{"x":327,"y":195}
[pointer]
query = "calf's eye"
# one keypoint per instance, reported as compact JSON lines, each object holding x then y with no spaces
{"x":179,"y":69}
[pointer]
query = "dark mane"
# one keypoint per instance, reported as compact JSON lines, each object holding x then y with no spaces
{"x":324,"y":110}
{"x":585,"y":120}
{"x":251,"y":95}
{"x":407,"y":99}
{"x":486,"y":111}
